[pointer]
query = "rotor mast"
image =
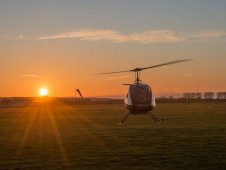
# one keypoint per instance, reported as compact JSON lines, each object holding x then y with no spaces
{"x":137,"y":76}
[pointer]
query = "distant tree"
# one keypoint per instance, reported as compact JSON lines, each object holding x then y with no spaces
{"x":162,"y":98}
{"x":199,"y":95}
{"x":187,"y":96}
{"x":192,"y":95}
{"x":171,"y":97}
{"x":224,"y":95}
{"x":221,"y":95}
{"x":208,"y":95}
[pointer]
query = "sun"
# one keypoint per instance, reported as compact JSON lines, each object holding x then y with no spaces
{"x":43,"y":92}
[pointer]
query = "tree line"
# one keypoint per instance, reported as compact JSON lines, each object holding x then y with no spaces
{"x":205,"y":95}
{"x":194,"y":97}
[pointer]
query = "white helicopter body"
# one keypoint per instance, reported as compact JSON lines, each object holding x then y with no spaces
{"x":140,"y":99}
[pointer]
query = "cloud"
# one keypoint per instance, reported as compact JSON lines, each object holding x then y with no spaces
{"x":207,"y":35}
{"x":20,"y":36}
{"x":14,"y":37}
{"x":89,"y":35}
{"x":29,"y":75}
{"x":114,"y":36}
{"x":152,"y":36}
{"x":156,"y":36}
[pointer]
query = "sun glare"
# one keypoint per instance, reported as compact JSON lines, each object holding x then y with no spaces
{"x":43,"y":92}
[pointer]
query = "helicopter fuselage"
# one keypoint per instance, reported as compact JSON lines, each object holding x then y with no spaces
{"x":139,"y":99}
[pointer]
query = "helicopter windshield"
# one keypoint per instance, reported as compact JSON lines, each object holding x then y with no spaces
{"x":140,"y":94}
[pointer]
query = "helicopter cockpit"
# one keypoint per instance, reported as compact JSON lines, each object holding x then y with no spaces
{"x":140,"y":98}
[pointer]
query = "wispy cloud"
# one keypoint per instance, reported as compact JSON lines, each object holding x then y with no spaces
{"x":20,"y":37}
{"x":29,"y":75}
{"x":14,"y":37}
{"x":145,"y":37}
{"x":114,"y":36}
{"x":207,"y":35}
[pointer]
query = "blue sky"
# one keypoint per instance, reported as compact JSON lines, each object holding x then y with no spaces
{"x":49,"y":16}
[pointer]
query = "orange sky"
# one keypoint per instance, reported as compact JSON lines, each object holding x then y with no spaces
{"x":63,"y":45}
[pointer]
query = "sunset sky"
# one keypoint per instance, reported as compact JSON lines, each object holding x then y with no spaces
{"x":58,"y":45}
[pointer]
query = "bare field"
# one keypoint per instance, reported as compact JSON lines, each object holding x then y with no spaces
{"x":48,"y":136}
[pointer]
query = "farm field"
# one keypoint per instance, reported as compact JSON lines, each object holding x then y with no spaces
{"x":54,"y":136}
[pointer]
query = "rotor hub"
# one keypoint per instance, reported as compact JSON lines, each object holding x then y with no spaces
{"x":137,"y":76}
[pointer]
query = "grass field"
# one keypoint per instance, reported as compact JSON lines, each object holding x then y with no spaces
{"x":48,"y":136}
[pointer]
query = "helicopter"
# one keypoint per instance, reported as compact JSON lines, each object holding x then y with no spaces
{"x":140,"y":98}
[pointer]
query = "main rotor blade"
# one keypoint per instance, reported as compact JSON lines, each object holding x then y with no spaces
{"x":112,"y":72}
{"x":168,"y":63}
{"x":144,"y":68}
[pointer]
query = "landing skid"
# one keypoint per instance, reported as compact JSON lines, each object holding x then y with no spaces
{"x":125,"y":117}
{"x":156,"y":120}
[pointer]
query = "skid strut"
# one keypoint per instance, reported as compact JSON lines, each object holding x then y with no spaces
{"x":154,"y":117}
{"x":156,"y":120}
{"x":124,"y":118}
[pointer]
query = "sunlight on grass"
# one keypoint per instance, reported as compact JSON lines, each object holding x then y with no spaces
{"x":54,"y":136}
{"x":57,"y":136}
{"x":37,"y":116}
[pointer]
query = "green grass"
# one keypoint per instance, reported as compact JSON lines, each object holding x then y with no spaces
{"x":192,"y":136}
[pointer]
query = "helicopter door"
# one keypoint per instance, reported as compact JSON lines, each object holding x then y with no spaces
{"x":141,"y":96}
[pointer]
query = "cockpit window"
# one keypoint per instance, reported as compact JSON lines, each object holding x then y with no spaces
{"x":140,"y":94}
